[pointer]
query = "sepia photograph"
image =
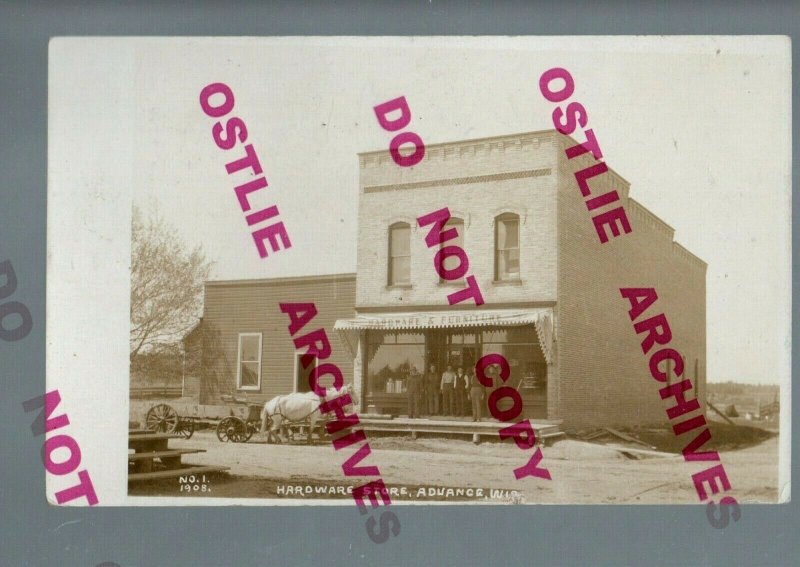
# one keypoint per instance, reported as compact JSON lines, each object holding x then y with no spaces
{"x":438,"y":270}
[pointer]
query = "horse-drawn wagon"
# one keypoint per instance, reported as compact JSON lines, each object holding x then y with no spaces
{"x":235,"y":422}
{"x":239,"y":419}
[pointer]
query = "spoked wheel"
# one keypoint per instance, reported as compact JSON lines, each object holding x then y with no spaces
{"x":232,"y":429}
{"x":251,"y":429}
{"x":162,"y":418}
{"x":185,"y":427}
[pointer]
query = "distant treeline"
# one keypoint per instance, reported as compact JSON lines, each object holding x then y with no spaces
{"x":157,"y":369}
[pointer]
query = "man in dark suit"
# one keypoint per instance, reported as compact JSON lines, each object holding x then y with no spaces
{"x":432,"y":387}
{"x":414,"y":390}
{"x":460,"y":391}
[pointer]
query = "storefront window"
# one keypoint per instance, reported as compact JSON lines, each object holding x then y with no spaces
{"x":520,"y":347}
{"x":391,"y":357}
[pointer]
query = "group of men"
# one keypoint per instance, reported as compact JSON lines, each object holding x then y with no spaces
{"x":454,"y":389}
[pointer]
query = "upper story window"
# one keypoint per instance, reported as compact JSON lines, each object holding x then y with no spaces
{"x":399,"y":254}
{"x":506,"y":247}
{"x":452,"y":262}
{"x":249,"y":374}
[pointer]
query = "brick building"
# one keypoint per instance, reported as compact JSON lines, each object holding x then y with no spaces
{"x":551,"y":290}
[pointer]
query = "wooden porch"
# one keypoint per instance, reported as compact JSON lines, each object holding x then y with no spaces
{"x":547,"y":432}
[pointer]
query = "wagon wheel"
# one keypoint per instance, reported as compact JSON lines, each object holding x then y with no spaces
{"x":243,"y":432}
{"x":224,"y":429}
{"x":232,"y":429}
{"x":250,"y":429}
{"x":162,"y":418}
{"x":185,"y":427}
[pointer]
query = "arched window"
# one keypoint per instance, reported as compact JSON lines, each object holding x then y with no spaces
{"x":506,"y":247}
{"x":399,"y":254}
{"x":452,"y":262}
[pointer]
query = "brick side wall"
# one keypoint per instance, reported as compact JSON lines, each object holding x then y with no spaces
{"x":477,"y":180}
{"x":231,"y":308}
{"x":604,"y":374}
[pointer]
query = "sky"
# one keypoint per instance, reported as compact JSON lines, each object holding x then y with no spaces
{"x":700,"y":127}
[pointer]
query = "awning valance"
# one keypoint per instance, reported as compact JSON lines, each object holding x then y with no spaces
{"x":541,"y":317}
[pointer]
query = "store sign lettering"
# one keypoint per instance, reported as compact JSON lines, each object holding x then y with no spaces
{"x":437,"y":321}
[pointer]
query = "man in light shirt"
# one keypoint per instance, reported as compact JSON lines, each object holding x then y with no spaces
{"x":447,"y":386}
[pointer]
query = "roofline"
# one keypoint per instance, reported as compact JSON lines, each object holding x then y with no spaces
{"x":550,"y":132}
{"x":196,"y":326}
{"x":276,"y":281}
{"x":690,"y":253}
{"x":470,"y":141}
{"x":669,"y":228}
{"x":656,"y":218}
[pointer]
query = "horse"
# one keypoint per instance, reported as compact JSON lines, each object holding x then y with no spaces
{"x":295,"y":407}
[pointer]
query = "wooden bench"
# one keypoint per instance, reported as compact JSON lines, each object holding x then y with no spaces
{"x":148,"y":446}
{"x":149,"y":442}
{"x":143,"y":460}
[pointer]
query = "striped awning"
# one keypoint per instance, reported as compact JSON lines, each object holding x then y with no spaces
{"x":541,"y":317}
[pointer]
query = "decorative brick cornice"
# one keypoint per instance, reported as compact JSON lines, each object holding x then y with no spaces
{"x":459,"y":180}
{"x":445,"y":150}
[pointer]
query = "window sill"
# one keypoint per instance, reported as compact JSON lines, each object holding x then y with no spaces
{"x":400,"y":286}
{"x":516,"y":281}
{"x":249,"y":388}
{"x":453,"y":283}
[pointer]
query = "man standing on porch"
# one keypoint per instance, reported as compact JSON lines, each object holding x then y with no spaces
{"x":448,"y":388}
{"x":432,"y":387}
{"x":475,"y":394}
{"x":414,"y":390}
{"x":460,"y":391}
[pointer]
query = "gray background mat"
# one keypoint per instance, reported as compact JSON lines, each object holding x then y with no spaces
{"x":32,"y":533}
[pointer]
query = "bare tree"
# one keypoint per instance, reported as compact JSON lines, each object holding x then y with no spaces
{"x":166,"y":285}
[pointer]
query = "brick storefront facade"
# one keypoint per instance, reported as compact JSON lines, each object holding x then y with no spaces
{"x":598,"y":375}
{"x":569,"y":327}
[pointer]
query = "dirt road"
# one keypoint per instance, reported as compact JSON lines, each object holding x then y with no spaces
{"x":581,"y":472}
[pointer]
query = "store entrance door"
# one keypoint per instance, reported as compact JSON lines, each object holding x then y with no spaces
{"x":443,"y":351}
{"x":461,"y":356}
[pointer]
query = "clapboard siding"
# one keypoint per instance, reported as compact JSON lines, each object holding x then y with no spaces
{"x":252,"y":306}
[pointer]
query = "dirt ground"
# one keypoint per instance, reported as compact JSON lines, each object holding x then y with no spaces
{"x":582,"y":473}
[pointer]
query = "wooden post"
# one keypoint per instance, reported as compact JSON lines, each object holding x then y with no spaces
{"x":685,"y":371}
{"x":696,"y":378}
